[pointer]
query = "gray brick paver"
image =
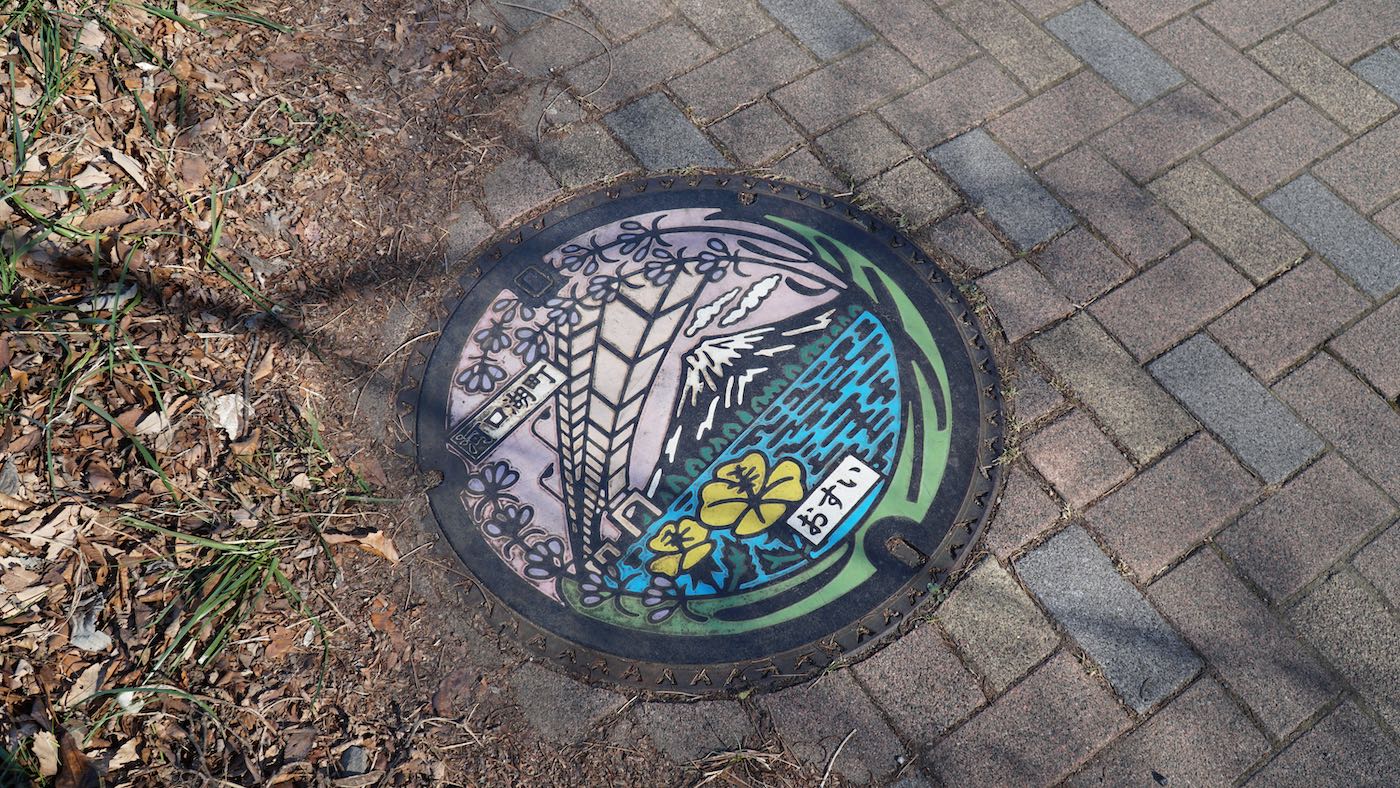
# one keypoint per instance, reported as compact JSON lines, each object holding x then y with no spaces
{"x":1382,"y":70}
{"x":1336,"y":231}
{"x":1275,"y":147}
{"x":1022,"y":299}
{"x":1025,"y":512}
{"x":1167,"y":510}
{"x":1214,"y":64}
{"x":1345,"y":749}
{"x":1012,"y":197}
{"x":584,"y":156}
{"x":1358,"y":635}
{"x":916,"y":29}
{"x":1323,"y":81}
{"x":1006,"y":744}
{"x":1237,"y":407}
{"x":1171,"y":300}
{"x":521,"y":19}
{"x":1200,"y":738}
{"x":1279,"y":325}
{"x":742,"y":75}
{"x":631,"y":68}
{"x":1027,"y":51}
{"x":1121,"y":57}
{"x":661,"y":136}
{"x":1294,"y":535}
{"x":561,"y":709}
{"x":1164,"y":132}
{"x":1249,"y":237}
{"x":965,"y":242}
{"x":801,"y":166}
{"x":847,"y":87}
{"x":1124,"y":397}
{"x":1372,"y":347}
{"x":1379,"y":562}
{"x":554,"y":45}
{"x":1140,"y":654}
{"x":1060,"y":118}
{"x":1366,"y":172}
{"x":953,"y":103}
{"x":1077,"y":459}
{"x":921,"y":685}
{"x":687,"y":731}
{"x":1034,"y":396}
{"x":1353,"y":418}
{"x":516,"y":186}
{"x":1350,"y":28}
{"x":996,"y":626}
{"x":756,"y":133}
{"x":915,"y":192}
{"x":863,"y":146}
{"x":1131,"y":220}
{"x":727,"y":23}
{"x":1081,"y":266}
{"x":623,"y":18}
{"x":824,"y":26}
{"x":1248,"y":646}
{"x":815,"y":718}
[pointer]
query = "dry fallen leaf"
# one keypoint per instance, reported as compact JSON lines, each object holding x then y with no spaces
{"x":130,"y":166}
{"x":45,"y":748}
{"x":77,"y":770}
{"x":376,"y":542}
{"x":229,"y":412}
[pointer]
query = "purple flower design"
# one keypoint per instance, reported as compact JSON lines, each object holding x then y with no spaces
{"x":531,"y":344}
{"x":605,"y":287}
{"x":495,"y":337}
{"x":585,"y":258}
{"x":564,"y":309}
{"x":660,"y":596}
{"x":509,"y":306}
{"x":596,"y":588}
{"x":638,"y":240}
{"x":664,"y":267}
{"x":545,"y":559}
{"x":716,"y":260}
{"x":511,"y":521}
{"x":491,"y":480}
{"x":481,"y":376}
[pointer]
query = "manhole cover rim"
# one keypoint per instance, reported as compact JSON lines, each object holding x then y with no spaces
{"x":856,"y":640}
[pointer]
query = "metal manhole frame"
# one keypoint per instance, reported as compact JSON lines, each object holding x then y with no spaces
{"x":852,"y":642}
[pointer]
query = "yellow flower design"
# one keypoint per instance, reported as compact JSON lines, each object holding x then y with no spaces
{"x":748,"y":497}
{"x":679,"y":546}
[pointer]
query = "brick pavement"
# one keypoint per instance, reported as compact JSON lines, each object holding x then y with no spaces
{"x":1186,"y":216}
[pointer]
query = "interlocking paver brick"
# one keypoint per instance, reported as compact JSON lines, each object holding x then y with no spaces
{"x":1275,"y":147}
{"x":1006,"y":744}
{"x":1201,"y":738}
{"x":1028,"y":52}
{"x":915,"y":192}
{"x":1137,"y":226}
{"x":1249,"y":647}
{"x":824,"y":26}
{"x":1141,"y":655}
{"x":651,"y":58}
{"x":917,"y":30}
{"x":1358,"y":635}
{"x":623,"y":18}
{"x":1171,"y":300}
{"x":1075,"y":456}
{"x":953,"y":103}
{"x":1166,"y":511}
{"x":1022,"y":299}
{"x":1286,"y":541}
{"x":1249,"y":237}
{"x":1012,"y":197}
{"x":1127,"y":401}
{"x":1235,"y":406}
{"x":801,"y":166}
{"x":1367,"y":171}
{"x":967,"y":242}
{"x":1246,"y":22}
{"x":756,"y":133}
{"x":847,"y":87}
{"x":997,"y":627}
{"x":1081,"y":266}
{"x":521,"y":19}
{"x":727,"y":23}
{"x":1211,"y":62}
{"x":1121,"y":57}
{"x":1372,"y":346}
{"x":583,"y":156}
{"x":1025,"y":512}
{"x":737,"y":78}
{"x":687,"y":731}
{"x":1033,"y":396}
{"x":515,"y":186}
{"x":921,"y":685}
{"x":1345,"y":748}
{"x":553,"y":46}
{"x":1323,"y":81}
{"x":1164,"y":132}
{"x":815,"y":718}
{"x":1382,"y":70}
{"x":467,"y":228}
{"x":561,"y":709}
{"x":1276,"y":327}
{"x":1336,"y":231}
{"x":1379,"y":562}
{"x":1060,"y":118}
{"x":1389,"y":219}
{"x":1142,"y":16}
{"x":661,"y":136}
{"x":1042,"y":9}
{"x":1350,"y":28}
{"x":863,"y":146}
{"x":1361,"y":425}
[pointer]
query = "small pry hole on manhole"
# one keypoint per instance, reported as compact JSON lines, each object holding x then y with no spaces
{"x":904,"y":552}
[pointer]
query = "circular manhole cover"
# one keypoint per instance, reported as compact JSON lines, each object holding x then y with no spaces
{"x":707,"y":434}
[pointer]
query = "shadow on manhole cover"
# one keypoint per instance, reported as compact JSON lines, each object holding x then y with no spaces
{"x":707,"y":434}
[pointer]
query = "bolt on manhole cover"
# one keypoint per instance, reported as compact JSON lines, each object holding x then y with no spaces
{"x":707,"y":434}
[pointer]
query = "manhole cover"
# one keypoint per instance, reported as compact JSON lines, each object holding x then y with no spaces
{"x":707,"y":434}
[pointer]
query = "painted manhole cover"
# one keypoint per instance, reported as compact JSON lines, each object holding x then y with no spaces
{"x":707,"y":434}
